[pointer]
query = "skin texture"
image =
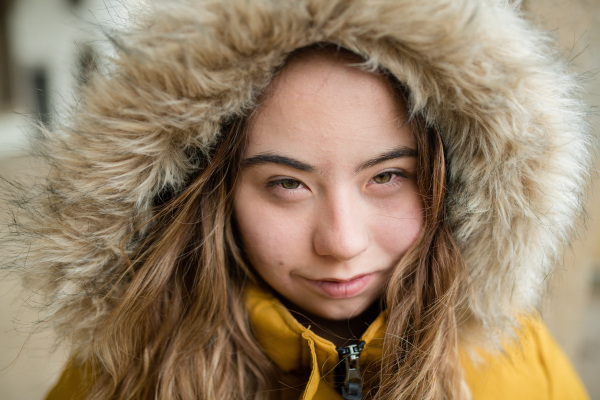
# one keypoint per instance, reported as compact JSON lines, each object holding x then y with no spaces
{"x":326,"y":203}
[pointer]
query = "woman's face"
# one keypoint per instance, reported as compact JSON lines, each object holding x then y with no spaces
{"x":327,"y":203}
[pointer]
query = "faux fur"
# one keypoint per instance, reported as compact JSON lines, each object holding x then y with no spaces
{"x":508,"y":112}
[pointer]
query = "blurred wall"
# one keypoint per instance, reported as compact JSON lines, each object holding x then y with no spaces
{"x":51,"y":44}
{"x":46,"y":47}
{"x":572,"y":309}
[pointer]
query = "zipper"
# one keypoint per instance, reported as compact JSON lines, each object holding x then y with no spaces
{"x":352,"y":388}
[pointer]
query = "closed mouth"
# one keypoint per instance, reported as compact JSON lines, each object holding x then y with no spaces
{"x":342,"y":288}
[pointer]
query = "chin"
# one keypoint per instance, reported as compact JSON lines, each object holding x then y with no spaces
{"x":342,"y":313}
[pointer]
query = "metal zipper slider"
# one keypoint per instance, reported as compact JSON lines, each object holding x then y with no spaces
{"x":352,"y":389}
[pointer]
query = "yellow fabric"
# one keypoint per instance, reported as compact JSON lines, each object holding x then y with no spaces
{"x":532,"y":368}
{"x":72,"y":385}
{"x":298,"y":351}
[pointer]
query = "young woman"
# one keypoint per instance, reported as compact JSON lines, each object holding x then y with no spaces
{"x":312,"y":199}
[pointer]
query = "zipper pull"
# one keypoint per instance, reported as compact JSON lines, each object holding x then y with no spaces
{"x":352,"y":389}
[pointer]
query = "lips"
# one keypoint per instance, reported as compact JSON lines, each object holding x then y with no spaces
{"x":341,"y":289}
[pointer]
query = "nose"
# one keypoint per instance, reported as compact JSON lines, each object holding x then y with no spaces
{"x":342,"y":229}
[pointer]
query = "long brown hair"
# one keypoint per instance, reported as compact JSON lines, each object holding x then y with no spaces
{"x":426,"y":294}
{"x":180,"y":329}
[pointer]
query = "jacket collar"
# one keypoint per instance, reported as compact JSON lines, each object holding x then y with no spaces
{"x":295,"y":348}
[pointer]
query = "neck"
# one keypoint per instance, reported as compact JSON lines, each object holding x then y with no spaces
{"x":339,"y":332}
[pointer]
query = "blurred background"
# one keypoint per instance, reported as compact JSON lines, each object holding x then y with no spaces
{"x":48,"y":47}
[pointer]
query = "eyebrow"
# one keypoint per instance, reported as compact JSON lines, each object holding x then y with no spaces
{"x":398,"y":152}
{"x":268,"y":157}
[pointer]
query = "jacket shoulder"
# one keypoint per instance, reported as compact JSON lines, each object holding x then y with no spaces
{"x":532,"y":367}
{"x":73,"y":384}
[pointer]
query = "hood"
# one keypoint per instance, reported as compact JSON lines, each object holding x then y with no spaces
{"x":507,"y":110}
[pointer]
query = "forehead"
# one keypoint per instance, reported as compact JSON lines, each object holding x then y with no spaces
{"x":314,"y":76}
{"x":320,"y":102}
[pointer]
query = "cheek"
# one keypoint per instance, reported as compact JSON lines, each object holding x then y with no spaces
{"x":269,"y":239}
{"x":400,"y":224}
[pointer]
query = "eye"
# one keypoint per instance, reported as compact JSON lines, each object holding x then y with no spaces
{"x":388,"y":179}
{"x":285,"y":184}
{"x":289,"y":184}
{"x":384,"y":177}
{"x":287,"y":189}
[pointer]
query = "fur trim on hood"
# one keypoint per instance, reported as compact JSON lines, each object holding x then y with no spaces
{"x":508,"y":112}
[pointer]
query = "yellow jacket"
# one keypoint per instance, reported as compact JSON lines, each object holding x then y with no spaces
{"x":534,"y":369}
{"x":539,"y":371}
